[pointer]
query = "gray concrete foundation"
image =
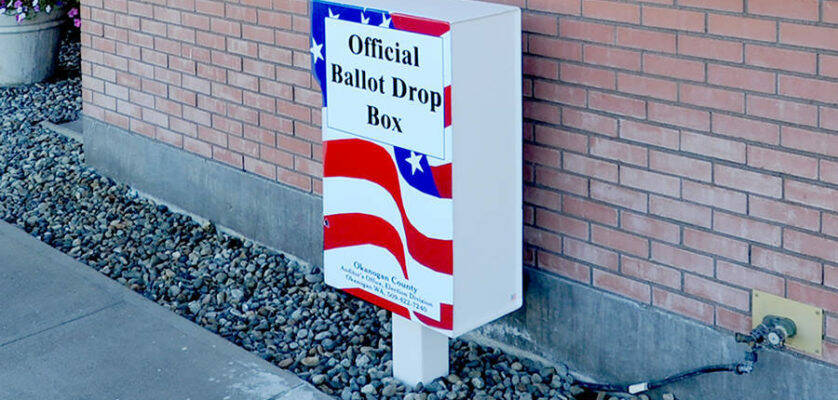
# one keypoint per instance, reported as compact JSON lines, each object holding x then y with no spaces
{"x":604,"y":336}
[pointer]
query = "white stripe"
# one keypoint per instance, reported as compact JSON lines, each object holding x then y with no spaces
{"x":434,"y":287}
{"x":430,"y":215}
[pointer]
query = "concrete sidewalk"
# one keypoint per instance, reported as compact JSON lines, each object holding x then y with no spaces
{"x":68,"y":332}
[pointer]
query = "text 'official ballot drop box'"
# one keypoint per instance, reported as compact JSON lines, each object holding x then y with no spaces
{"x":422,"y":160}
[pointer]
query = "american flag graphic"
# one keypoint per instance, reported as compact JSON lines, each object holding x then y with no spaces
{"x":387,"y":209}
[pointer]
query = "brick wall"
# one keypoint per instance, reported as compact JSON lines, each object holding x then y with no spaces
{"x":677,"y":152}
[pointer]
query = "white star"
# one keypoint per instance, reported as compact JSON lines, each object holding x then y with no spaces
{"x":386,"y":22}
{"x":316,"y":51}
{"x":415,"y":161}
{"x":333,"y":15}
{"x":365,"y":20}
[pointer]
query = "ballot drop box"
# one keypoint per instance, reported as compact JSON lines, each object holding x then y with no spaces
{"x":422,"y":164}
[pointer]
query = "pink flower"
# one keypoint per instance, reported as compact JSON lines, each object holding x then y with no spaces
{"x":18,"y":4}
{"x":77,"y":22}
{"x":73,"y":12}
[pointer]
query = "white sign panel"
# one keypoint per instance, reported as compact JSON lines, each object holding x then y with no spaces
{"x":386,"y":85}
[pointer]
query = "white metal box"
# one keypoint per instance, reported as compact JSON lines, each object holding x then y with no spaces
{"x":422,"y":156}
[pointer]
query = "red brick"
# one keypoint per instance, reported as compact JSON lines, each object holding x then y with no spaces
{"x":624,"y":242}
{"x":717,"y":292}
{"x":541,"y":197}
{"x":651,"y":272}
{"x":780,"y":161}
{"x":715,"y":244}
{"x":589,"y":210}
{"x":609,"y":10}
{"x":814,"y":142}
{"x":789,"y":60}
{"x":540,"y":23}
{"x":620,"y":285}
{"x":812,"y":195}
{"x":673,"y":19}
{"x":823,"y":298}
{"x":809,"y":36}
{"x":830,"y":276}
{"x":829,"y":171}
{"x":561,"y":224}
{"x":650,"y":181}
{"x":644,"y":39}
{"x":829,"y":64}
{"x":600,"y":78}
{"x":725,"y":5}
{"x":618,"y":151}
{"x":746,"y":28}
{"x":683,"y":305}
{"x":797,"y":9}
{"x":788,"y":214}
{"x":300,"y":181}
{"x":651,"y":227}
{"x":829,"y":117}
{"x":830,"y":13}
{"x":746,"y":129}
{"x":681,"y":211}
{"x":646,"y":86}
{"x":590,"y":122}
{"x":198,"y":147}
{"x":733,"y":320}
{"x":611,"y":57}
{"x":561,"y":139}
{"x":742,"y":78}
{"x":618,"y":195}
{"x":715,"y":196}
{"x":564,"y":267}
{"x":565,"y":94}
{"x":832,"y":327}
{"x":746,"y":228}
{"x":649,"y":134}
{"x":541,"y":67}
{"x":572,"y":7}
{"x":590,"y":253}
{"x":617,"y":104}
{"x":542,"y":155}
{"x":709,"y":48}
{"x":583,"y":30}
{"x":748,"y":181}
{"x":542,"y":112}
{"x":809,"y":89}
{"x":782,"y":110}
{"x":673,"y":67}
{"x":679,"y":116}
{"x":561,"y":181}
{"x":810,"y":245}
{"x":713,"y":147}
{"x":786,"y":264}
{"x":679,"y":165}
{"x":556,"y":48}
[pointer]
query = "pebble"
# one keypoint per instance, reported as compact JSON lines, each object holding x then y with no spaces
{"x":252,"y":296}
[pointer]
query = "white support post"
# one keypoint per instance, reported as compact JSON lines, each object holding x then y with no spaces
{"x":420,"y":354}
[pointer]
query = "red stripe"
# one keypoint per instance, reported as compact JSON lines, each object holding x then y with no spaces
{"x":379,"y":301}
{"x":345,"y":230}
{"x":448,"y":106}
{"x":420,"y":25}
{"x":442,"y":178}
{"x":446,"y":314}
{"x":355,"y":158}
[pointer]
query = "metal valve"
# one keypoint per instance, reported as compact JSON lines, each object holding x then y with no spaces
{"x":771,"y":333}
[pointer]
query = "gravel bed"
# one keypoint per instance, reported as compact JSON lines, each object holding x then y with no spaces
{"x":249,"y":294}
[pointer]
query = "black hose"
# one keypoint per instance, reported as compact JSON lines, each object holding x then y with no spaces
{"x":640,"y":387}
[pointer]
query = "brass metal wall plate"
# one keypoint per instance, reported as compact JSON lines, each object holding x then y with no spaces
{"x":809,"y":319}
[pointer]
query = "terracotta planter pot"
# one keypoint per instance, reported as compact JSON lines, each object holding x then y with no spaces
{"x":29,"y":49}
